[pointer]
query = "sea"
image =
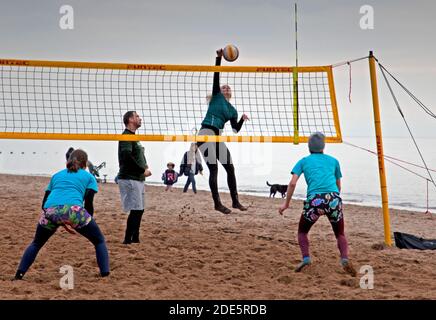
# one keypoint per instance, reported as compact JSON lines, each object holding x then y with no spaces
{"x":256,"y":164}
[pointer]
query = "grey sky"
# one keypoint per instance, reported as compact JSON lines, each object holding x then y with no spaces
{"x":188,"y":32}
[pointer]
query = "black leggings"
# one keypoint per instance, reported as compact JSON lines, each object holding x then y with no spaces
{"x":91,"y":232}
{"x":212,"y":153}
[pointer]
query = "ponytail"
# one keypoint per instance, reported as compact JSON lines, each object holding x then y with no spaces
{"x":77,"y":160}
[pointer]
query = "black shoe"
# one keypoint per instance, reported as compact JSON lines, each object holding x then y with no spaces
{"x":18,"y":276}
{"x":104,"y":274}
{"x":135,"y":241}
{"x":127,"y":241}
{"x":239,"y":206}
{"x":223,"y":209}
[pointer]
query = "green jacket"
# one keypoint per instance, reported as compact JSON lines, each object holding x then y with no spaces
{"x":219,"y":112}
{"x":131,"y":159}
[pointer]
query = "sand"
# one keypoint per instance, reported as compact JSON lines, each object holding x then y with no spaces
{"x":190,"y":251}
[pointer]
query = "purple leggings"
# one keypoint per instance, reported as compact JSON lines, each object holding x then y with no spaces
{"x":338,"y":228}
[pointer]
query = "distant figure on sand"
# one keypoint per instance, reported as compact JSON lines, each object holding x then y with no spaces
{"x":323,"y":177}
{"x":218,"y":113}
{"x":69,"y":152}
{"x":191,"y":166}
{"x":131,"y":177}
{"x":91,"y":168}
{"x":63,"y":206}
{"x":170,"y":176}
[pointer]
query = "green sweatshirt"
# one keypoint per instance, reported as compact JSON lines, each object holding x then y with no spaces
{"x":219,"y":112}
{"x":131,"y":159}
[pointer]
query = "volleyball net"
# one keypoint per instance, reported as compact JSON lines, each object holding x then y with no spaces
{"x":86,"y":101}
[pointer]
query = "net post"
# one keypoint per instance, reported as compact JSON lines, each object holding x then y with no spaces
{"x":295,"y":103}
{"x":379,"y":140}
{"x":295,"y":83}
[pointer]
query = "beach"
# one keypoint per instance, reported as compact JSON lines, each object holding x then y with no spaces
{"x":190,"y":251}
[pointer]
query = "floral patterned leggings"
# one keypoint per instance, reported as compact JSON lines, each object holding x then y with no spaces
{"x":75,"y":216}
{"x":329,"y":204}
{"x":78,"y":218}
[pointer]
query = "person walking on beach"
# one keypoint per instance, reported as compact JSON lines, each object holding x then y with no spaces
{"x":190,"y":166}
{"x":220,"y":111}
{"x":133,"y":169}
{"x":68,"y":202}
{"x":323,"y":177}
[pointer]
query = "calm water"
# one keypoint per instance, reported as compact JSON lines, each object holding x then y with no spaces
{"x":255,"y":164}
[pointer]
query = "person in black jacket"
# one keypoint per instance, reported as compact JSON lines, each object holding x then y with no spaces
{"x":220,"y":111}
{"x":191,"y":166}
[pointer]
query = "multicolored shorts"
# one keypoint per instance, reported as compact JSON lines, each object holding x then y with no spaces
{"x":329,"y":204}
{"x":75,"y":216}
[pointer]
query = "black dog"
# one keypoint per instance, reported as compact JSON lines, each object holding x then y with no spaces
{"x":282,"y":188}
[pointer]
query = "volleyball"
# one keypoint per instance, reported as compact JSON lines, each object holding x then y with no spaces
{"x":230,"y":53}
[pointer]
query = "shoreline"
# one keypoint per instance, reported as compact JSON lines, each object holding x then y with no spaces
{"x":260,"y":195}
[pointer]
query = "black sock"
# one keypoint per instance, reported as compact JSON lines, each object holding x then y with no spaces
{"x":130,"y":227}
{"x":136,"y":224}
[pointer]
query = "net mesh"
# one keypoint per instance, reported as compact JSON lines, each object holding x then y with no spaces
{"x":64,"y":100}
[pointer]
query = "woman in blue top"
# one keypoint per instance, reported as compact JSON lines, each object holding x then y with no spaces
{"x":218,"y":113}
{"x":63,"y":206}
{"x":323,"y":177}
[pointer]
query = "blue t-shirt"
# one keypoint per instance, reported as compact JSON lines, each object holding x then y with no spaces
{"x":320,"y":172}
{"x":69,"y":188}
